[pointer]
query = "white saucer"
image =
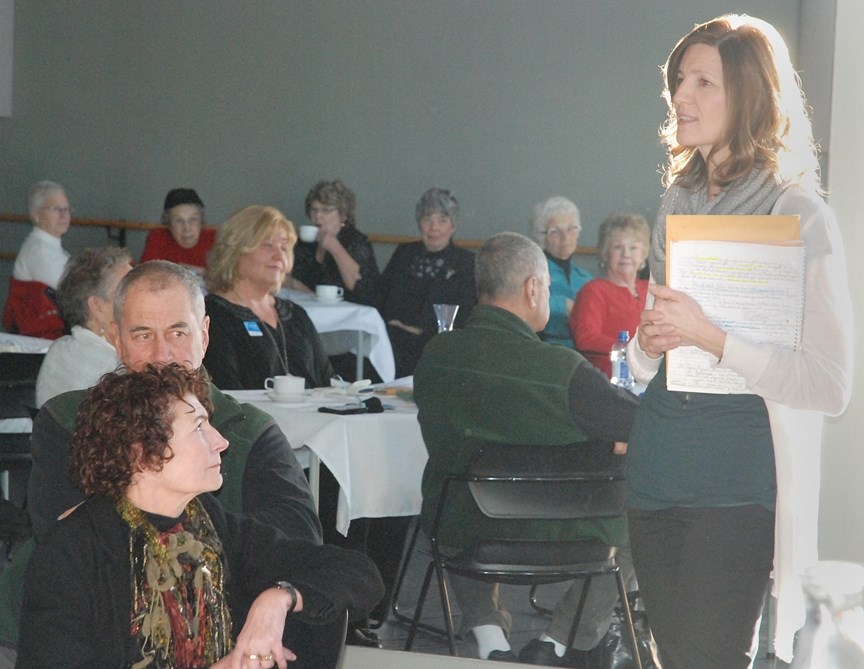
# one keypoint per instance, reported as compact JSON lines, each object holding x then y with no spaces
{"x":335,"y":300}
{"x":287,"y":399}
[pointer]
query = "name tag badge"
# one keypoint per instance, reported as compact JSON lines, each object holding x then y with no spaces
{"x":253,"y":329}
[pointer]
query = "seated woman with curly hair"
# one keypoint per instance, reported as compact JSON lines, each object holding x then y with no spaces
{"x":155,"y":573}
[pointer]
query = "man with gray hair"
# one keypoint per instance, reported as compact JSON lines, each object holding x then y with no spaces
{"x":159,"y":318}
{"x":497,"y":380}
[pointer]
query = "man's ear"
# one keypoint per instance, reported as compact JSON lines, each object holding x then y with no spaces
{"x":205,"y":333}
{"x":531,"y":290}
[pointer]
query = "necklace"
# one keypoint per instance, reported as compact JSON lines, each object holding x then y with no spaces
{"x":282,"y":352}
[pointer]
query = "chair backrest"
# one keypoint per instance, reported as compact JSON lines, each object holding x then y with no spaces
{"x":581,"y":480}
{"x":18,"y":372}
{"x":19,"y":369}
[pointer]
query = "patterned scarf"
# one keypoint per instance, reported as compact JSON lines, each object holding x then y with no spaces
{"x":754,"y":195}
{"x":179,"y":612}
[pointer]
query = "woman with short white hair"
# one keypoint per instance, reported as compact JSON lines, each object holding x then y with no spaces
{"x":556,"y":227}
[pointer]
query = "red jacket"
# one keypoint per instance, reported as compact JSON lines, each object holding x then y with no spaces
{"x":31,"y":311}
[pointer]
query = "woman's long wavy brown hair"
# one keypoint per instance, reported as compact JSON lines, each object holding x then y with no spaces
{"x":768,"y":124}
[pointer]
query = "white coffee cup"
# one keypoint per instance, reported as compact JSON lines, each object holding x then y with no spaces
{"x":285,"y":385}
{"x":308,"y":233}
{"x":327,"y":293}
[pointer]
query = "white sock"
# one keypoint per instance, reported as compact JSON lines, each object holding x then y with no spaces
{"x":560,"y":648}
{"x":489,"y":638}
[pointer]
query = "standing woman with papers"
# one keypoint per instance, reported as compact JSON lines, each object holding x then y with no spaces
{"x":724,"y":488}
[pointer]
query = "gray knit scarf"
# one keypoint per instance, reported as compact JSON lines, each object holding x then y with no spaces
{"x":754,"y":195}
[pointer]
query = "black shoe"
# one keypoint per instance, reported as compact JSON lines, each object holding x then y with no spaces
{"x":362,"y":636}
{"x":584,"y":659}
{"x":503,"y":656}
{"x":540,"y":652}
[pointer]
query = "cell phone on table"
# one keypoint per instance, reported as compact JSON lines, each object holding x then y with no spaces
{"x":344,"y":409}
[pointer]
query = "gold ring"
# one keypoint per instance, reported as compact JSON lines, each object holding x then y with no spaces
{"x":266,"y":657}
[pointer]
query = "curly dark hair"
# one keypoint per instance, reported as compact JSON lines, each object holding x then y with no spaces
{"x":124,"y":424}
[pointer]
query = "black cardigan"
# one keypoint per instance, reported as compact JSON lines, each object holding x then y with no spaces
{"x":77,"y":595}
{"x":237,"y":360}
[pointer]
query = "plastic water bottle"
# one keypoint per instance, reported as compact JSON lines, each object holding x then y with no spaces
{"x":618,"y":356}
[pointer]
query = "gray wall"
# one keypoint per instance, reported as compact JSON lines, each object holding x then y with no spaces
{"x":504,"y":101}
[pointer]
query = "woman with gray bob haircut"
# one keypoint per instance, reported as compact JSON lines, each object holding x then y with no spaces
{"x":424,"y":273}
{"x":556,"y":227}
{"x":85,"y":297}
{"x":437,"y":200}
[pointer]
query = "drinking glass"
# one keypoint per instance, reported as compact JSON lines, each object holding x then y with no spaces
{"x":445,"y":314}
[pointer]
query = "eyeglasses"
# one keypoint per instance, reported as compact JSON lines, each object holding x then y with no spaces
{"x":60,"y":210}
{"x":314,"y":211}
{"x":558,"y":232}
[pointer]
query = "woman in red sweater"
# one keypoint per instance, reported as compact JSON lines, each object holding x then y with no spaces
{"x":183,"y":239}
{"x":607,"y":305}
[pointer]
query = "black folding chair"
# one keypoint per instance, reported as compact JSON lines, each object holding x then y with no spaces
{"x":18,"y":372}
{"x":572,"y":482}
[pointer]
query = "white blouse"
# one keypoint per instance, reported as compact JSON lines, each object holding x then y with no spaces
{"x":799,"y":387}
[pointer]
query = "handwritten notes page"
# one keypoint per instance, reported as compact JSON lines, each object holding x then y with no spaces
{"x":754,"y":290}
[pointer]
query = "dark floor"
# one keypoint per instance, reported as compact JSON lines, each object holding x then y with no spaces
{"x":527,"y":624}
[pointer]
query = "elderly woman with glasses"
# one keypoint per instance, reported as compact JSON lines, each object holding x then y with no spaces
{"x":41,"y":257}
{"x":183,"y":239}
{"x":341,"y":255}
{"x":422,"y":274}
{"x":30,"y":308}
{"x":556,"y":228}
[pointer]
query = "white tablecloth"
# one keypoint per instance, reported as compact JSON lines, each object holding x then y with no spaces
{"x":21,"y":344}
{"x":378,"y":459}
{"x":339,"y":323}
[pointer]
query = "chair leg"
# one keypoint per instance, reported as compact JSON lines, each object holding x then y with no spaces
{"x":532,"y":600}
{"x":401,"y":577}
{"x":583,"y":597}
{"x":418,"y":610}
{"x":445,"y":605}
{"x":628,"y":618}
{"x":448,"y":612}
